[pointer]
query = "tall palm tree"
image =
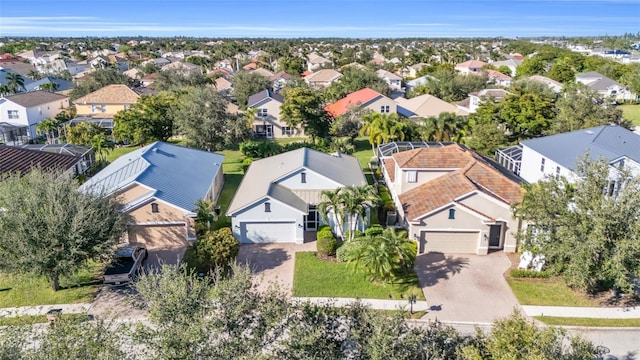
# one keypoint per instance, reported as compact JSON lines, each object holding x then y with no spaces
{"x":250,"y":116}
{"x":4,"y":90}
{"x":48,"y":128}
{"x":356,"y":201}
{"x":382,"y":128}
{"x":49,"y":86}
{"x":34,"y":75}
{"x":205,"y":215}
{"x":101,"y":146}
{"x":15,"y":82}
{"x":332,"y":203}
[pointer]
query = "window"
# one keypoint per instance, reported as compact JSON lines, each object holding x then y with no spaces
{"x":103,"y":108}
{"x":267,"y":207}
{"x":303,"y":178}
{"x":412,"y":176}
{"x":558,"y":170}
{"x":94,"y":108}
{"x":384,"y":108}
{"x":126,"y":106}
{"x":154,"y":208}
{"x":610,"y":189}
{"x":286,"y":130}
{"x":452,"y":213}
{"x":262,"y":113}
{"x":542,"y":165}
{"x":13,"y":114}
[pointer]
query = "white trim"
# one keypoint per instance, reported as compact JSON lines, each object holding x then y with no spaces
{"x":306,"y":169}
{"x":501,"y":202}
{"x":186,"y":212}
{"x":159,"y":223}
{"x":268,"y":199}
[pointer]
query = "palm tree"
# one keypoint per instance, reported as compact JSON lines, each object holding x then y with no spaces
{"x":205,"y":215}
{"x":49,"y":86}
{"x":101,"y":146}
{"x":34,"y":75}
{"x":382,"y":128}
{"x":4,"y":90}
{"x":48,"y":128}
{"x":250,"y":116}
{"x":342,"y":145}
{"x":15,"y":82}
{"x":332,"y":203}
{"x":356,"y":201}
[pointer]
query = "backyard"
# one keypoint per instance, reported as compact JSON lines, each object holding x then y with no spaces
{"x":631,"y":112}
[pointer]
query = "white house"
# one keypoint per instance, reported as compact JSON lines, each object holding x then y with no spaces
{"x":278,"y":196}
{"x":470,"y":67}
{"x":268,"y":122}
{"x":559,"y":154}
{"x":30,"y":108}
{"x":606,"y":87}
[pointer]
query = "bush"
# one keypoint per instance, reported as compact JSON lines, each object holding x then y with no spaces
{"x":327,"y":245}
{"x":374,"y":230}
{"x":523,"y":273}
{"x":260,"y":149}
{"x":357,"y":234}
{"x":245,"y":164}
{"x":342,"y":254}
{"x":324,"y":231}
{"x":388,"y":206}
{"x":213,"y":249}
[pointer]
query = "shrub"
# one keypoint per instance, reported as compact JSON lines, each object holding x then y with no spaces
{"x":327,"y":245}
{"x":388,"y":206}
{"x":245,"y":163}
{"x":324,"y":231}
{"x":342,"y":254}
{"x":213,"y":249}
{"x":357,"y":234}
{"x":374,"y":230}
{"x":260,"y":149}
{"x":523,"y":273}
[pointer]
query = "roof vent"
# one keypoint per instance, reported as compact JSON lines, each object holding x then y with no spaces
{"x":155,"y":150}
{"x":589,"y":132}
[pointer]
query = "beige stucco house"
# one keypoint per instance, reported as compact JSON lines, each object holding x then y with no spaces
{"x":158,"y":186}
{"x":106,"y":102}
{"x":453,"y":200}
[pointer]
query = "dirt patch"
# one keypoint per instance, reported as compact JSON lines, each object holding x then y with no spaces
{"x":326,"y":257}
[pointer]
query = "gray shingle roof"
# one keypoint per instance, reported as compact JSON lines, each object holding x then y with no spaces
{"x":608,"y":141}
{"x":263,"y":95}
{"x":35,"y":98}
{"x":259,"y":178}
{"x":178,"y":175}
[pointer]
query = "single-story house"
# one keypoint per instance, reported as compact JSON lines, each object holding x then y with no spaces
{"x":278,"y":196}
{"x":453,"y":200}
{"x":159,"y":186}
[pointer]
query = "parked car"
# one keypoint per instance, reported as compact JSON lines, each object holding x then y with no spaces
{"x":126,"y":264}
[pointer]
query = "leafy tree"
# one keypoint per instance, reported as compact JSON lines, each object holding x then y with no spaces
{"x":291,"y":65}
{"x":531,"y":66}
{"x":202,"y":118}
{"x":149,"y":119}
{"x":34,"y":75}
{"x":303,"y":107}
{"x":580,"y":107}
{"x":505,"y":70}
{"x":384,"y":256}
{"x":246,"y":84}
{"x":586,"y":230}
{"x":354,"y":79}
{"x":97,"y":80}
{"x":349,"y":124}
{"x":562,"y":72}
{"x":487,"y":137}
{"x":450,"y":86}
{"x":214,"y":249}
{"x":51,"y":228}
{"x":174,"y":79}
{"x":83,"y":133}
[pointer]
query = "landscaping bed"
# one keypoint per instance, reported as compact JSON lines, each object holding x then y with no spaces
{"x":314,"y":277}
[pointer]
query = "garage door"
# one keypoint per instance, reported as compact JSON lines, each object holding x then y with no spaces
{"x":268,"y":232}
{"x":159,"y":236}
{"x":449,"y":242}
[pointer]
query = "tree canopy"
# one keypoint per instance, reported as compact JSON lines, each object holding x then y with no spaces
{"x":149,"y":119}
{"x":245,"y":84}
{"x":50,"y":228}
{"x":303,"y":107}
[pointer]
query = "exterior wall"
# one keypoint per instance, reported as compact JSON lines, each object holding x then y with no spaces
{"x":273,"y":118}
{"x":383,"y":101}
{"x":216,"y":186}
{"x":315,"y":181}
{"x":501,"y":213}
{"x":87,"y":109}
{"x":163,"y":223}
{"x":279,"y":212}
{"x":32,"y":116}
{"x":423,"y":176}
{"x":531,"y":163}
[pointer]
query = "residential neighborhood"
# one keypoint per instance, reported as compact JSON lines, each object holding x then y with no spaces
{"x":462,"y":181}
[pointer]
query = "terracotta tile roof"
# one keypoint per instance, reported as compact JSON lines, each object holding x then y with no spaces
{"x":356,"y":98}
{"x":451,"y":156}
{"x":474,"y":172}
{"x":493,"y":74}
{"x":110,"y":94}
{"x":35,"y":98}
{"x":390,"y":166}
{"x":16,"y":160}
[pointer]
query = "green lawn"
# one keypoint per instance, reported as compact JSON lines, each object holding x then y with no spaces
{"x":562,"y":321}
{"x":28,"y":290}
{"x":549,"y":292}
{"x":119,"y":151}
{"x":313,"y":277}
{"x":631,"y":112}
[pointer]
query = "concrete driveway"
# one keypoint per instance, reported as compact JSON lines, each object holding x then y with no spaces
{"x":466,"y":287}
{"x":165,"y":255}
{"x":272,"y":263}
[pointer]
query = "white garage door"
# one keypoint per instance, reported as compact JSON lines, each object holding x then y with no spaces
{"x":268,"y":232}
{"x":449,"y":242}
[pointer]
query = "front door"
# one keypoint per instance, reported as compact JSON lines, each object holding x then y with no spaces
{"x":495,"y":233}
{"x":269,"y":131}
{"x":311,"y":220}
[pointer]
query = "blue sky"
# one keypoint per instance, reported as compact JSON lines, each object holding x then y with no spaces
{"x":313,"y":18}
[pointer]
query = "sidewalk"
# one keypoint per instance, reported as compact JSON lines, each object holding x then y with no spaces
{"x":376,"y":304}
{"x":582,"y":312}
{"x":80,"y":308}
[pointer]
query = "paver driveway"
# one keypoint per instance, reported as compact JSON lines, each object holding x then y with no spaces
{"x":272,"y":263}
{"x":465,"y":287}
